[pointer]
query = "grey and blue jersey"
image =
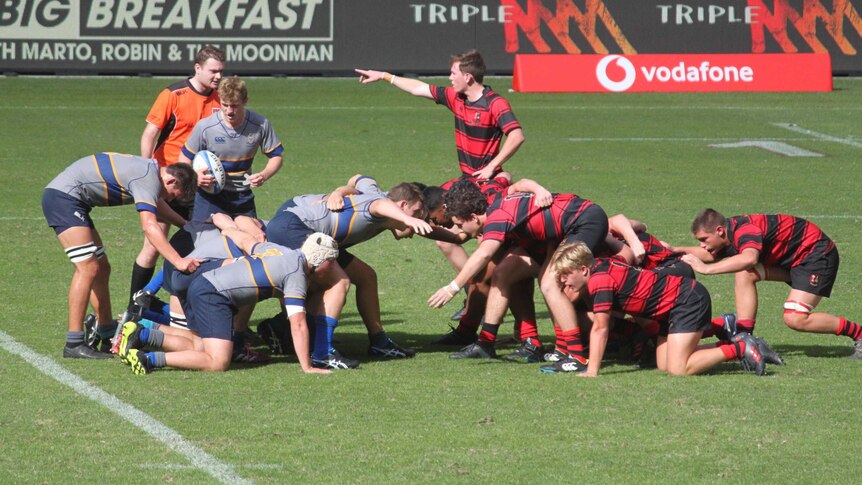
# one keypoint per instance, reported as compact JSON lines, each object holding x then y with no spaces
{"x":270,"y":271}
{"x":109,"y":179}
{"x":235,"y":148}
{"x":218,"y":247}
{"x":350,"y":226}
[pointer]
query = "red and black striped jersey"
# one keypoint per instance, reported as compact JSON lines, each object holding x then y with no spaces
{"x":479,"y":126}
{"x":642,"y":293}
{"x":517,"y":218}
{"x":492,"y":188}
{"x":656,"y":254}
{"x":783,"y":240}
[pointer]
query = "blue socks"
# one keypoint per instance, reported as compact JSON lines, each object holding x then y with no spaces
{"x":324,"y":327}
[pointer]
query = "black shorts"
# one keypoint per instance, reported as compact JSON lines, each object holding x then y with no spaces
{"x":62,"y":211}
{"x":693,"y":315}
{"x":676,"y":268}
{"x":816,"y":275}
{"x":591,"y":228}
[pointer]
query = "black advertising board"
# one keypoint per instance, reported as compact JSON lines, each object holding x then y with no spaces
{"x":334,"y":36}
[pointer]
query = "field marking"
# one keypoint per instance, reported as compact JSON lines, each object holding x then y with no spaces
{"x":183,"y":466}
{"x":778,"y":147}
{"x":175,"y":441}
{"x":798,"y":129}
{"x":420,"y":106}
{"x":679,"y":139}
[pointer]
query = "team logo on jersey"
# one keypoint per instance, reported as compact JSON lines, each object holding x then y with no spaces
{"x":252,"y":139}
{"x":478,"y":117}
{"x":814,"y":280}
{"x":220,"y":139}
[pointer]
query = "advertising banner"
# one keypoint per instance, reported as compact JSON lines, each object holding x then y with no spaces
{"x":672,"y":73}
{"x":283,"y":37}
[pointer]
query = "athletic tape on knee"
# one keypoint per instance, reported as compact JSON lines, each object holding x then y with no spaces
{"x":77,"y":254}
{"x":792,"y":306}
{"x":100,"y":252}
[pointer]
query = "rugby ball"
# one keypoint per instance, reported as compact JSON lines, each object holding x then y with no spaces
{"x":208,"y":160}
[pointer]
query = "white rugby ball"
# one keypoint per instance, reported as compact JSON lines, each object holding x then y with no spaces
{"x":209,"y":160}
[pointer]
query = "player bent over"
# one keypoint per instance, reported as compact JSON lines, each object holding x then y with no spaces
{"x":773,"y":247}
{"x":103,"y":180}
{"x":214,"y":298}
{"x":682,"y":306}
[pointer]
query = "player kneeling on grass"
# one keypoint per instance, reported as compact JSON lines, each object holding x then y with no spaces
{"x":213,"y":299}
{"x":681,"y":305}
{"x":103,"y":180}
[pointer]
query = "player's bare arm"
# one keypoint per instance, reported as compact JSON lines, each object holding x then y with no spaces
{"x":399,"y":220}
{"x":514,"y":140}
{"x":478,"y":260}
{"x":272,"y":167}
{"x":166,"y":214}
{"x":696,"y":251}
{"x":406,"y":84}
{"x":543,"y":197}
{"x":598,"y":343}
{"x":157,"y":238}
{"x":621,"y":225}
{"x":148,"y":140}
{"x":743,"y":261}
{"x":299,"y":332}
{"x":335,"y":200}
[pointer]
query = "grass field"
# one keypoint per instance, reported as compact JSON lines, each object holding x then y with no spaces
{"x":430,"y":419}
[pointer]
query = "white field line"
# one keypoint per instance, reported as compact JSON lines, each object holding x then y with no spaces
{"x":821,"y":136}
{"x":678,"y":139}
{"x":173,"y":440}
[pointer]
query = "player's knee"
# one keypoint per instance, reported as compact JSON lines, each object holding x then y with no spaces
{"x":796,"y":314}
{"x":750,"y":276}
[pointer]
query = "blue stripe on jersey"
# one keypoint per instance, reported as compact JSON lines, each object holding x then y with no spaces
{"x":145,"y":206}
{"x":263,"y":284}
{"x":114,"y":192}
{"x":344,"y":220}
{"x":232,"y":248}
{"x":362,"y":177}
{"x":237,"y":165}
{"x":275,"y":151}
{"x":294,"y":300}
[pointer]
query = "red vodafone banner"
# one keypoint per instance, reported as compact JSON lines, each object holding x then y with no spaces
{"x":556,"y":73}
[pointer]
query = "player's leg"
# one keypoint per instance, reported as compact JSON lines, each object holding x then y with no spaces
{"x":331,"y":285}
{"x":145,"y":264}
{"x":81,"y":248}
{"x":215,"y":356}
{"x":368,"y":303}
{"x":242,"y":351}
{"x":745,"y":292}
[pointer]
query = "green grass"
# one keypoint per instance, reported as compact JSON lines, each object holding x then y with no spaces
{"x":430,"y":419}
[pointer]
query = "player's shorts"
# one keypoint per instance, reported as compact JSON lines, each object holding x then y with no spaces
{"x":230,"y":203}
{"x":62,"y":211}
{"x":177,"y":283}
{"x":692,"y":315}
{"x":590,"y":227}
{"x":208,"y":312}
{"x":287,"y":229}
{"x":816,"y":275}
{"x":675,"y":267}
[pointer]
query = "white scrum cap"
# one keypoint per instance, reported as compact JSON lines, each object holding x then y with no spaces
{"x":319,"y":248}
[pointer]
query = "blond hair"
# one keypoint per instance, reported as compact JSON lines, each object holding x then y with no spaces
{"x":569,"y":257}
{"x":233,"y":90}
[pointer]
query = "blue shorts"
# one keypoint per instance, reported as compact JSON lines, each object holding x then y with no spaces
{"x":177,"y":283}
{"x":287,"y":229}
{"x":208,"y":312}
{"x":230,"y":203}
{"x":62,"y":211}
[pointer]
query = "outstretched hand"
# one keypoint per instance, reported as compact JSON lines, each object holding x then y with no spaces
{"x":369,"y":76}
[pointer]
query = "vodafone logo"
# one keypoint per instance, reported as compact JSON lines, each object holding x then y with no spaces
{"x":620,"y":62}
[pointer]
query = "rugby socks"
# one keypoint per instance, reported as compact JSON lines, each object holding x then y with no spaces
{"x":106,"y":330}
{"x":156,"y":359}
{"x":140,"y":277}
{"x":529,"y":332}
{"x":159,"y":317}
{"x":156,"y":282}
{"x":716,"y":329}
{"x":74,"y":339}
{"x":151,"y":337}
{"x":468,"y":326}
{"x":560,"y":342}
{"x":574,"y":344}
{"x":324,"y":328}
{"x":379,"y":339}
{"x":733,"y":351}
{"x":745,"y":326}
{"x":848,"y":328}
{"x":488,"y":335}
